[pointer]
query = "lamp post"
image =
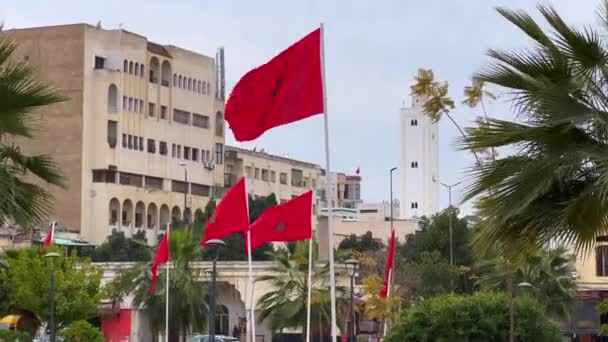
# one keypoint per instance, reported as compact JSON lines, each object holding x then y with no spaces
{"x":392,"y":219}
{"x":449,"y":187}
{"x":512,"y":307}
{"x":215,"y":246}
{"x":352,"y":265}
{"x":183,"y":164}
{"x":52,"y":333}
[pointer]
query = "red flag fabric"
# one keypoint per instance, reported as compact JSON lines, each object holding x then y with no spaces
{"x":290,"y":221}
{"x":286,"y":89}
{"x":231,"y":214}
{"x":50,"y":236}
{"x":162,"y":256}
{"x":357,"y":171}
{"x":388,"y":270}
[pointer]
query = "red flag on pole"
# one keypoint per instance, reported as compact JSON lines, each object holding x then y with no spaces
{"x":290,"y":221}
{"x":162,"y":256}
{"x":286,"y":89}
{"x":50,"y":236}
{"x":358,"y":171}
{"x":231,"y":215}
{"x":388,"y":270}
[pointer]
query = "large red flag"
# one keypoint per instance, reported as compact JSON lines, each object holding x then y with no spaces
{"x":286,"y":89}
{"x":388,"y":270}
{"x":50,"y":236}
{"x":231,"y":215}
{"x":162,"y":256}
{"x":290,"y":221}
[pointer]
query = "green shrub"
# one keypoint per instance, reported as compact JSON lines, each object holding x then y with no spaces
{"x":478,"y":317}
{"x":14,"y":336}
{"x":81,"y":331}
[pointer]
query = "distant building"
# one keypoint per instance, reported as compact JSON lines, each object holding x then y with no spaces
{"x":419,"y":162}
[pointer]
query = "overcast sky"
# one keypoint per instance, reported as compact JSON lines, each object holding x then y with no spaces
{"x":373,"y":50}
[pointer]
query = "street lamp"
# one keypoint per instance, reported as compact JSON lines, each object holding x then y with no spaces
{"x":352,"y":265}
{"x":449,"y":187}
{"x":391,"y":211}
{"x":183,"y":164}
{"x":512,"y":306}
{"x":52,"y":256}
{"x":215,"y":246}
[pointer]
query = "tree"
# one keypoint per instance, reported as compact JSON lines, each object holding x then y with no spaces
{"x":77,"y":285}
{"x":363,"y":243}
{"x":285,"y":305}
{"x":551,"y":185}
{"x":187,"y":292}
{"x":118,"y":248}
{"x":375,"y":307}
{"x":547,"y":273}
{"x":81,"y":331}
{"x":23,"y":200}
{"x":477,"y":317}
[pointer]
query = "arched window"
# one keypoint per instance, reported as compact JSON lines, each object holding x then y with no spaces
{"x":154,"y":70}
{"x":180,"y":82}
{"x":165,"y":218}
{"x":208,"y":88}
{"x":165,"y":76}
{"x":136,"y":69}
{"x":219,"y":124}
{"x":141,"y":71}
{"x":131,"y":67}
{"x":127,"y":213}
{"x":203,"y":90}
{"x":125,"y":67}
{"x":189,"y":83}
{"x":152,"y":217}
{"x":112,"y":98}
{"x":199,"y":87}
{"x":114,"y":210}
{"x":175,"y":80}
{"x":221,"y":320}
{"x":194,"y":85}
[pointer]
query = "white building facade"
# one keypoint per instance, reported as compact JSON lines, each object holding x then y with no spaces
{"x":419,"y":162}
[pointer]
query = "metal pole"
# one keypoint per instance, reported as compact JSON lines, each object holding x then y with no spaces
{"x":186,"y":218}
{"x":351,"y":331}
{"x":52,"y":304}
{"x":251,"y":302}
{"x":167,"y":286}
{"x":511,"y":312}
{"x":309,"y":290}
{"x":330,"y":232}
{"x":212,"y":302}
{"x":450,"y":220}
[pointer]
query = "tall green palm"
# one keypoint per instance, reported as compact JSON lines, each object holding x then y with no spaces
{"x":553,"y":183}
{"x":285,"y":305}
{"x":548,"y":273}
{"x":187,"y":300}
{"x":23,"y":201}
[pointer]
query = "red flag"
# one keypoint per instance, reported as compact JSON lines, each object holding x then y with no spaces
{"x":357,"y":171}
{"x":162,"y":256}
{"x":231,"y":215}
{"x":286,"y":89}
{"x":290,"y":221}
{"x":388,"y":270}
{"x":50,"y":236}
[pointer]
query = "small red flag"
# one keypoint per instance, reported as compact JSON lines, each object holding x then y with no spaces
{"x":290,"y":221}
{"x":288,"y":88}
{"x":388,"y":270}
{"x":162,"y":256}
{"x":231,"y":215}
{"x":50,"y":236}
{"x":358,"y":171}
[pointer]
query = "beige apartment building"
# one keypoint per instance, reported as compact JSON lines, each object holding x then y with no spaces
{"x":139,"y":118}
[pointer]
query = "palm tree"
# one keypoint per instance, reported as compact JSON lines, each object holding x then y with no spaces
{"x":474,"y":95}
{"x":23,"y":200}
{"x":554,"y":183}
{"x":187,"y":300}
{"x":547,"y":273}
{"x":285,"y":305}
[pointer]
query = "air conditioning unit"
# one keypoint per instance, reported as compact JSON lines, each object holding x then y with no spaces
{"x":209,"y":166}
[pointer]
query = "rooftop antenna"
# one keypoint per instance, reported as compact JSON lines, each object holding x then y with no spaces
{"x":98,"y":25}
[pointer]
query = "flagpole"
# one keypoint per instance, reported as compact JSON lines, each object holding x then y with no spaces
{"x":167,"y":288}
{"x":329,"y":191}
{"x":309,"y":290}
{"x":251,"y":304}
{"x":388,"y":295}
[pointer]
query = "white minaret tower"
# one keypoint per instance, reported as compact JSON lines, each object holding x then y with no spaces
{"x":419,"y":162}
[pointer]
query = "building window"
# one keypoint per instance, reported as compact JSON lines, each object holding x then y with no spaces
{"x":199,"y":87}
{"x":99,"y":62}
{"x":131,"y":179}
{"x":265,"y":175}
{"x":131,"y":67}
{"x":248,"y":171}
{"x":175,"y":80}
{"x":283,"y":178}
{"x":178,"y":186}
{"x":141,"y":71}
{"x":200,"y":189}
{"x":179,"y":151}
{"x":136,"y":105}
{"x":219,"y":124}
{"x":273,"y":176}
{"x":141,"y":143}
{"x":130,"y":144}
{"x":219,"y":153}
{"x":189,"y":84}
{"x":151,"y":109}
{"x":104,"y":176}
{"x":112,"y":133}
{"x":208,"y":88}
{"x":154,"y":70}
{"x":199,"y":120}
{"x":165,"y":74}
{"x":179,"y":81}
{"x":414,"y":122}
{"x":136,"y":71}
{"x":163,"y":112}
{"x":135,"y":143}
{"x":112,"y":98}
{"x":181,"y":116}
{"x":130,"y":107}
{"x":124,"y":140}
{"x":203,"y":90}
{"x":194,"y":154}
{"x":151,"y":146}
{"x":173,"y":150}
{"x":162,"y":148}
{"x":414,"y":164}
{"x":124,"y":103}
{"x":414,"y":205}
{"x":125,"y":67}
{"x":154,"y":183}
{"x":186,"y":152}
{"x":257,"y":173}
{"x":601,"y":261}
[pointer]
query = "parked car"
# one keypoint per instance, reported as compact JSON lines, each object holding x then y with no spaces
{"x":218,"y":338}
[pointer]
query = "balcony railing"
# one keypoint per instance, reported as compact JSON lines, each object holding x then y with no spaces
{"x":164,"y":83}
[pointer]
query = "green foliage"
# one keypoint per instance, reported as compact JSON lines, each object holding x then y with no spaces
{"x":431,"y":275}
{"x":81,"y":331}
{"x":602,"y":309}
{"x":363,"y":243}
{"x":553,"y":184}
{"x":77,"y":285}
{"x":118,"y":248}
{"x":24,"y":199}
{"x":477,"y":317}
{"x":14,"y":336}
